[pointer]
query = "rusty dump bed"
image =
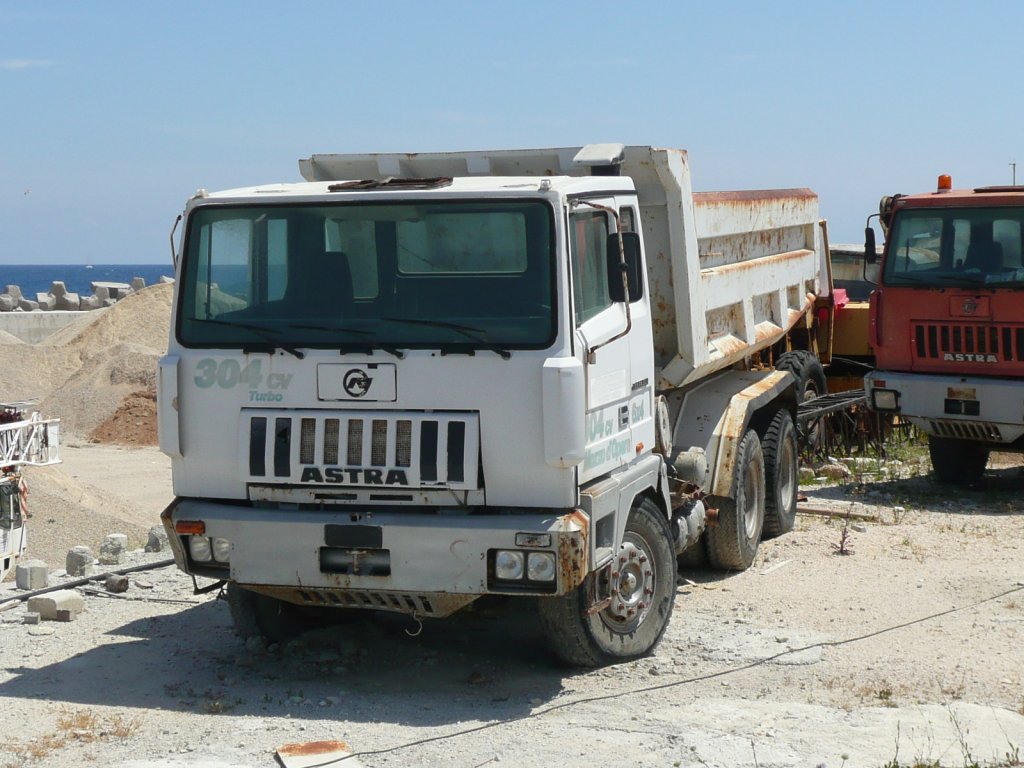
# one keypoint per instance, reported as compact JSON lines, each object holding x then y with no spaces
{"x":729,"y":272}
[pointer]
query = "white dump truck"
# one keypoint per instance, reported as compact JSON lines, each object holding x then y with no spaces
{"x":414,"y":380}
{"x":25,"y":441}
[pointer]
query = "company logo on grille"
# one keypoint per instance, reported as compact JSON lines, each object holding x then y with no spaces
{"x":968,"y":343}
{"x":365,"y":448}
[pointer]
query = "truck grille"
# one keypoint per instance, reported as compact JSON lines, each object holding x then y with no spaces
{"x":368,"y":448}
{"x":932,"y":341}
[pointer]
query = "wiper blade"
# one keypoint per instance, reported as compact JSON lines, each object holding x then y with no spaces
{"x":961,"y":277}
{"x":269,"y":335}
{"x":474,"y":334}
{"x":355,"y":332}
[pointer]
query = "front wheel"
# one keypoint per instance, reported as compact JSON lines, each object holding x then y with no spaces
{"x":258,"y":615}
{"x":957,"y":462}
{"x":732,"y":540}
{"x":642,"y":589}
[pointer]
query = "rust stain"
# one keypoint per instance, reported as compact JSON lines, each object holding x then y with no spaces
{"x":572,"y":549}
{"x":312,"y":748}
{"x":747,"y":196}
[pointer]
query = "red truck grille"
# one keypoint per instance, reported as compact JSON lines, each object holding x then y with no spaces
{"x":934,"y":341}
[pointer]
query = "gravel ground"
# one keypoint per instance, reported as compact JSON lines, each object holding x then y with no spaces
{"x":908,"y":649}
{"x":905,"y":651}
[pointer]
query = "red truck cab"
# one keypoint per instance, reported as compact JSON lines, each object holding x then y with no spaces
{"x":947,"y":322}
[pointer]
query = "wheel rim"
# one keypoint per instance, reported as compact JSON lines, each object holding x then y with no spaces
{"x":751,"y":494}
{"x":632,"y":586}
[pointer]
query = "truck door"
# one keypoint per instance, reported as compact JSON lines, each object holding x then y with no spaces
{"x":598,"y":320}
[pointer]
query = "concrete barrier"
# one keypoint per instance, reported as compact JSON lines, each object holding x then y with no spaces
{"x":34,"y":320}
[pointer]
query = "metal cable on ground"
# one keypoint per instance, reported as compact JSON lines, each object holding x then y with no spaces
{"x":86,"y":579}
{"x":663,"y":686}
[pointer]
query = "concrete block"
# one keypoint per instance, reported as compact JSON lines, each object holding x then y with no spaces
{"x":100,"y":292}
{"x":32,"y":617}
{"x":51,"y":606}
{"x":86,"y":303}
{"x":7,"y":303}
{"x":57,"y":288}
{"x":164,"y":279}
{"x":138,"y":283}
{"x":78,"y":559}
{"x":69,"y":302}
{"x":32,"y":574}
{"x":14,"y":292}
{"x":157,"y":539}
{"x":113,"y":549}
{"x":45,"y":302}
{"x":26,"y":305}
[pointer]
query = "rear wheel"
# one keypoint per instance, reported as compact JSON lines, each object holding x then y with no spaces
{"x":781,"y":465}
{"x":957,"y":462}
{"x":642,"y":588}
{"x":732,"y":540}
{"x":810,"y":382}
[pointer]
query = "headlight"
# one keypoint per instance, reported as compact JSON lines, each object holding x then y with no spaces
{"x":885,"y":399}
{"x":540,"y":566}
{"x":221,"y":549}
{"x":508,"y":565}
{"x":199,"y":548}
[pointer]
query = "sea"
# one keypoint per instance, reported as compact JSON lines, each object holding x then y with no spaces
{"x":77,"y":278}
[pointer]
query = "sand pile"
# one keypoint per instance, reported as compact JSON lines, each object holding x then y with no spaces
{"x":84,"y":372}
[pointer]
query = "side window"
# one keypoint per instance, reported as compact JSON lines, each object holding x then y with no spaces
{"x":588,"y":242}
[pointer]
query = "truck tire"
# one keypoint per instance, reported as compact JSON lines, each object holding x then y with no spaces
{"x":957,"y":462}
{"x":781,"y":474}
{"x":732,"y":540}
{"x":810,"y":383}
{"x":643,"y":594}
{"x":256,"y":615}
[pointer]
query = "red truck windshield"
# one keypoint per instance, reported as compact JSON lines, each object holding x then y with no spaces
{"x":956,"y":247}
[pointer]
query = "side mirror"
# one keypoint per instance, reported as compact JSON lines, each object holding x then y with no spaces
{"x":870,"y":251}
{"x":631,"y":256}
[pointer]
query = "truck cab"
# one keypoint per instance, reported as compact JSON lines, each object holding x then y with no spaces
{"x":947,"y":323}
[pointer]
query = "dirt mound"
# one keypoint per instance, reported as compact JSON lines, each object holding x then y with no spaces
{"x":82,"y":373}
{"x":133,"y":423}
{"x":142,"y":318}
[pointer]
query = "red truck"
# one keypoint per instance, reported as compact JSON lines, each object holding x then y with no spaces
{"x":947,"y":322}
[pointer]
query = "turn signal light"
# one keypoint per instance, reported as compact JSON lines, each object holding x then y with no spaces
{"x":190,"y":527}
{"x":945,"y":183}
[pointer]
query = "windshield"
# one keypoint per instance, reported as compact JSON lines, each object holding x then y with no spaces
{"x":473,"y":274}
{"x":958,"y":247}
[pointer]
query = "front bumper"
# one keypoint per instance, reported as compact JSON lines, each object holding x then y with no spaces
{"x":965,"y":407}
{"x":413,"y":562}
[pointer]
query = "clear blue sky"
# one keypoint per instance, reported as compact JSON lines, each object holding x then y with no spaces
{"x":113,"y":113}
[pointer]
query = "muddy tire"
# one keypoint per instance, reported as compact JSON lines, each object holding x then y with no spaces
{"x":732,"y":540}
{"x":810,"y":383}
{"x":957,"y":462}
{"x":256,"y":615}
{"x":642,"y":596}
{"x":782,"y":471}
